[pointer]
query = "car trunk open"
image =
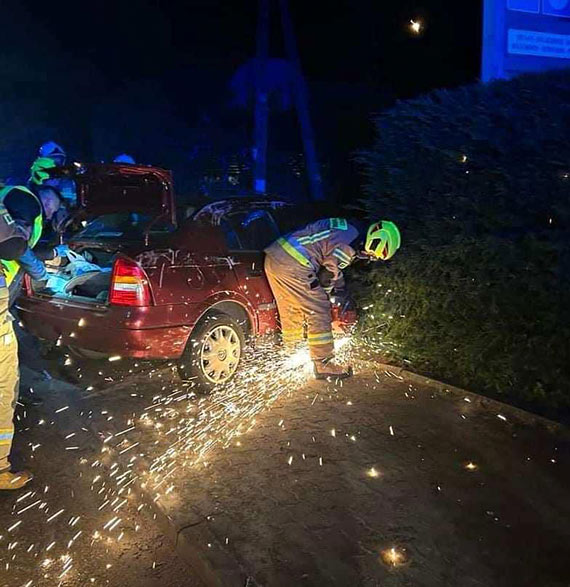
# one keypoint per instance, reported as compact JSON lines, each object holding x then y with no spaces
{"x":111,"y":189}
{"x":118,"y":207}
{"x":90,"y":286}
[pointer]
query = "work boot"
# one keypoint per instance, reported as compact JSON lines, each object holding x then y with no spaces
{"x":14,"y":480}
{"x":326,"y":368}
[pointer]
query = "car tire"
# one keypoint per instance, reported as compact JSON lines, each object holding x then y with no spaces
{"x":213,"y":352}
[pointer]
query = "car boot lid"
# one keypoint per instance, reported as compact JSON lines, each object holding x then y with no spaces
{"x":114,"y":188}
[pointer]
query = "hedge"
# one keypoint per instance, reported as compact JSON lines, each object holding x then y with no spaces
{"x":478,"y":178}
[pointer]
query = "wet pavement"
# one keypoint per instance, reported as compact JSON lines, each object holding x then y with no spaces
{"x":279,"y":479}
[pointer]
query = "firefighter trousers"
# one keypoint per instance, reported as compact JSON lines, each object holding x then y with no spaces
{"x":9,"y":384}
{"x":301,"y":299}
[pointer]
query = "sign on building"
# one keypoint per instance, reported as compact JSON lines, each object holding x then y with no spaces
{"x":524,"y":5}
{"x":556,"y":7}
{"x":524,"y":36}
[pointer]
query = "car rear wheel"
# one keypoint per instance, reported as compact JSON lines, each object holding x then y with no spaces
{"x":213,"y":352}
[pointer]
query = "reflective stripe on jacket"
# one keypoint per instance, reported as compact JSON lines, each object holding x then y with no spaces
{"x":325,"y":243}
{"x":11,"y":268}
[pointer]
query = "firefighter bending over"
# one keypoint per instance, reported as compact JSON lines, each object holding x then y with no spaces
{"x":292,"y":264}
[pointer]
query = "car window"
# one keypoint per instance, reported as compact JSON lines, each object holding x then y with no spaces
{"x":123,"y":224}
{"x":252,"y":230}
{"x":289,"y":218}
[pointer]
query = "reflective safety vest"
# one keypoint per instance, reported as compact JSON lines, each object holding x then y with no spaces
{"x":295,"y":247}
{"x":11,"y":268}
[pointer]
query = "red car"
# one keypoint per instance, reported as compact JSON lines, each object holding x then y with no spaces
{"x":191,"y":290}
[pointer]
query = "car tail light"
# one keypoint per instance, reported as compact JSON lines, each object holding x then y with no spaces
{"x":28,"y":289}
{"x":129,"y":284}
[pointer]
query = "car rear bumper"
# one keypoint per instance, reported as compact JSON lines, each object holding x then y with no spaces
{"x":105,"y":329}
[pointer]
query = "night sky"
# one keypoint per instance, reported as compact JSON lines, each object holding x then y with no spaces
{"x":346,"y":40}
{"x":358,"y":55}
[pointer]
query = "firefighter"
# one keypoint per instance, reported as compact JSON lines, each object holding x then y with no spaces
{"x":30,"y":207}
{"x":22,"y":214}
{"x":43,"y":186}
{"x":40,"y":172}
{"x":65,"y":187}
{"x":292,"y":265}
{"x":13,"y":248}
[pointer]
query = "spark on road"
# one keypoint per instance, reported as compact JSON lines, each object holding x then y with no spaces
{"x":393,"y":557}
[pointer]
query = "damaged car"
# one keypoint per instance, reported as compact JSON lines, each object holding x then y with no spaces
{"x":140,"y":285}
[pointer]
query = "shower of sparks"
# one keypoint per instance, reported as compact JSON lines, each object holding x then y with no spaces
{"x":180,"y":429}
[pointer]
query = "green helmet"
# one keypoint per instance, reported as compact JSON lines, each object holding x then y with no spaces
{"x":39,"y":169}
{"x":382,"y":240}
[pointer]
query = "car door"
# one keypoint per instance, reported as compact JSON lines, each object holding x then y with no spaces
{"x":247,"y":233}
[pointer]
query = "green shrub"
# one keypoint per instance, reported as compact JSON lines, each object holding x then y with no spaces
{"x":480,"y":292}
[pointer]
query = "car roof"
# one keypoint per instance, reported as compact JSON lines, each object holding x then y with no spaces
{"x":214,"y":211}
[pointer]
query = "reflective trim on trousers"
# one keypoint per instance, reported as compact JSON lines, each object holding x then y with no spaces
{"x":321,"y":338}
{"x":292,"y":334}
{"x":6,"y":437}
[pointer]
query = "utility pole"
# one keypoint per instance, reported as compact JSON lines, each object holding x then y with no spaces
{"x":302,"y":105}
{"x":261,"y":115}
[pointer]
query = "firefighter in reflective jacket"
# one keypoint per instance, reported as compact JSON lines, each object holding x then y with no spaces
{"x":292,"y":264}
{"x":13,"y":247}
{"x":29,"y":208}
{"x":21,"y":220}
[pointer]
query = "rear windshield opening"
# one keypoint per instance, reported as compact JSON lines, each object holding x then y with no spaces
{"x":125,"y":225}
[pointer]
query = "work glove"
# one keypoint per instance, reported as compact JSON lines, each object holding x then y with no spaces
{"x":343,"y":300}
{"x":33,"y":266}
{"x":61,"y":250}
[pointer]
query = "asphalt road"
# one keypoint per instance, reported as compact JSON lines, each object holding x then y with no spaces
{"x":56,"y":531}
{"x":280,"y":479}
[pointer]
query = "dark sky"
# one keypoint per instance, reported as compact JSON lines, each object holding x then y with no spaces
{"x":105,"y":76}
{"x":339,"y":40}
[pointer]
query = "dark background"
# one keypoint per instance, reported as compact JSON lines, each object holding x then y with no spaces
{"x":153,"y":79}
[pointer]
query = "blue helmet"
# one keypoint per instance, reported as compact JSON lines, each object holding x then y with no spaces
{"x":52,"y":150}
{"x":124,"y":158}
